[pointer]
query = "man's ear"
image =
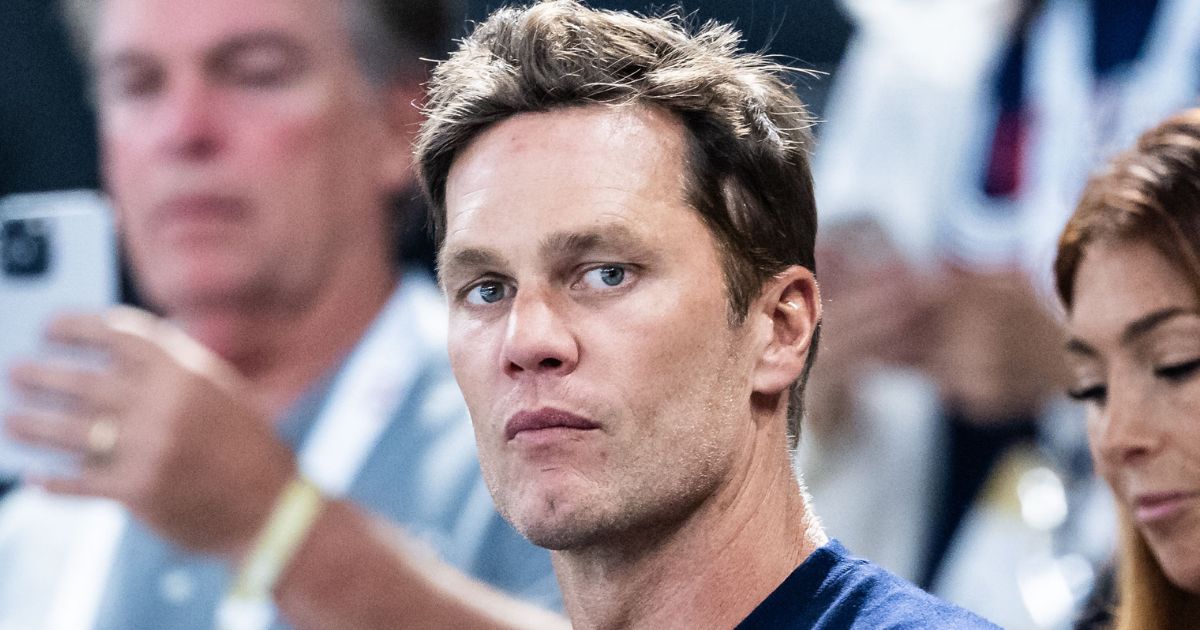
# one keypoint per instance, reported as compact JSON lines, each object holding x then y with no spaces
{"x":402,"y":121}
{"x":791,"y":303}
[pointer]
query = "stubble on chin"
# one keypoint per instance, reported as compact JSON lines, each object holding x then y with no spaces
{"x":543,"y":517}
{"x":549,"y":527}
{"x":569,"y":519}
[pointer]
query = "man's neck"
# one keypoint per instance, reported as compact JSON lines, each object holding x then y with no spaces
{"x":283,"y":350}
{"x":710,"y":571}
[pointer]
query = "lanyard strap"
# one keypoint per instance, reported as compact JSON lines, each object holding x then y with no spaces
{"x":367,"y":391}
{"x":361,"y":402}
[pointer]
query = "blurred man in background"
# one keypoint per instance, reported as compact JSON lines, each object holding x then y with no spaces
{"x":251,"y":153}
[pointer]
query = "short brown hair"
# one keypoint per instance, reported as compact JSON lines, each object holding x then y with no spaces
{"x":747,"y":131}
{"x":1149,"y":194}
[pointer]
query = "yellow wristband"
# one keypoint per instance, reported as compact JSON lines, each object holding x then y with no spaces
{"x":293,"y":516}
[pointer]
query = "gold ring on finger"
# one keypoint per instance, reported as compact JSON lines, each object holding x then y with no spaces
{"x":102,"y":440}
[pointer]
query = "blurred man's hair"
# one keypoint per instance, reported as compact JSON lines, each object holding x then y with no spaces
{"x":389,"y":37}
{"x":747,"y":131}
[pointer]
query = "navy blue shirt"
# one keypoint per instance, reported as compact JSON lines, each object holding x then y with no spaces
{"x":832,"y":590}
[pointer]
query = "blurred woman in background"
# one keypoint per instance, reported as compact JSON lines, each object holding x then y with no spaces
{"x":1128,"y":273}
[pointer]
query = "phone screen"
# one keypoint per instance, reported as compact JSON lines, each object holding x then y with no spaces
{"x":57,"y":254}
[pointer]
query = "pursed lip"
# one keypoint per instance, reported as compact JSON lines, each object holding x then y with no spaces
{"x":545,"y":418}
{"x":1153,"y":507}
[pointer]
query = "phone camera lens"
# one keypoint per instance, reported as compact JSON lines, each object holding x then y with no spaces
{"x":25,"y":247}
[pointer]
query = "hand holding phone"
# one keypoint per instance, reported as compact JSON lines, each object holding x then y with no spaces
{"x":57,"y":254}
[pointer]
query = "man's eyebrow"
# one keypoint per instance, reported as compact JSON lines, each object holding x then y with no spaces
{"x":557,"y":246}
{"x":566,"y":244}
{"x":453,"y":260}
{"x":1149,"y":322}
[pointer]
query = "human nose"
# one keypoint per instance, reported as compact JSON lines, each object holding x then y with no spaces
{"x":1127,"y":431}
{"x":538,"y":339}
{"x":188,"y":123}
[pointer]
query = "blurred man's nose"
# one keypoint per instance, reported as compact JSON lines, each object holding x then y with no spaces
{"x":189,"y":121}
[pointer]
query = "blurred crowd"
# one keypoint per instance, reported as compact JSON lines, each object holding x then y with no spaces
{"x":955,"y":139}
{"x":958,"y":137}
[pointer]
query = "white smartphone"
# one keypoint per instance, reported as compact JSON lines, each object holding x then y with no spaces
{"x":58,"y":252}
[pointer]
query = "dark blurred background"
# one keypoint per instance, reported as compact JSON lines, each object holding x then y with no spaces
{"x":47,"y":135}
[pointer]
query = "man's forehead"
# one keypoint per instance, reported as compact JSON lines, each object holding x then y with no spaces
{"x":586,"y":125}
{"x":189,"y":27}
{"x":567,"y":177}
{"x":607,"y":151}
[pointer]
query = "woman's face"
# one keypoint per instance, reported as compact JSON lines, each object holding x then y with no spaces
{"x":1135,"y":353}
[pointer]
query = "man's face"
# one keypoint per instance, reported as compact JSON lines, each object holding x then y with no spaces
{"x":589,"y":325}
{"x":243,"y":148}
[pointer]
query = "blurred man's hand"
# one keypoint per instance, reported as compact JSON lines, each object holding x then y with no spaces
{"x":159,"y":424}
{"x":998,"y":354}
{"x":878,"y":311}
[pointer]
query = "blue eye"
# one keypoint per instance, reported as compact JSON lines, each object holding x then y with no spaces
{"x":605,"y":276}
{"x":488,"y":292}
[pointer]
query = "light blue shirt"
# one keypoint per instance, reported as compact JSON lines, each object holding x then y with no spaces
{"x":422,"y":473}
